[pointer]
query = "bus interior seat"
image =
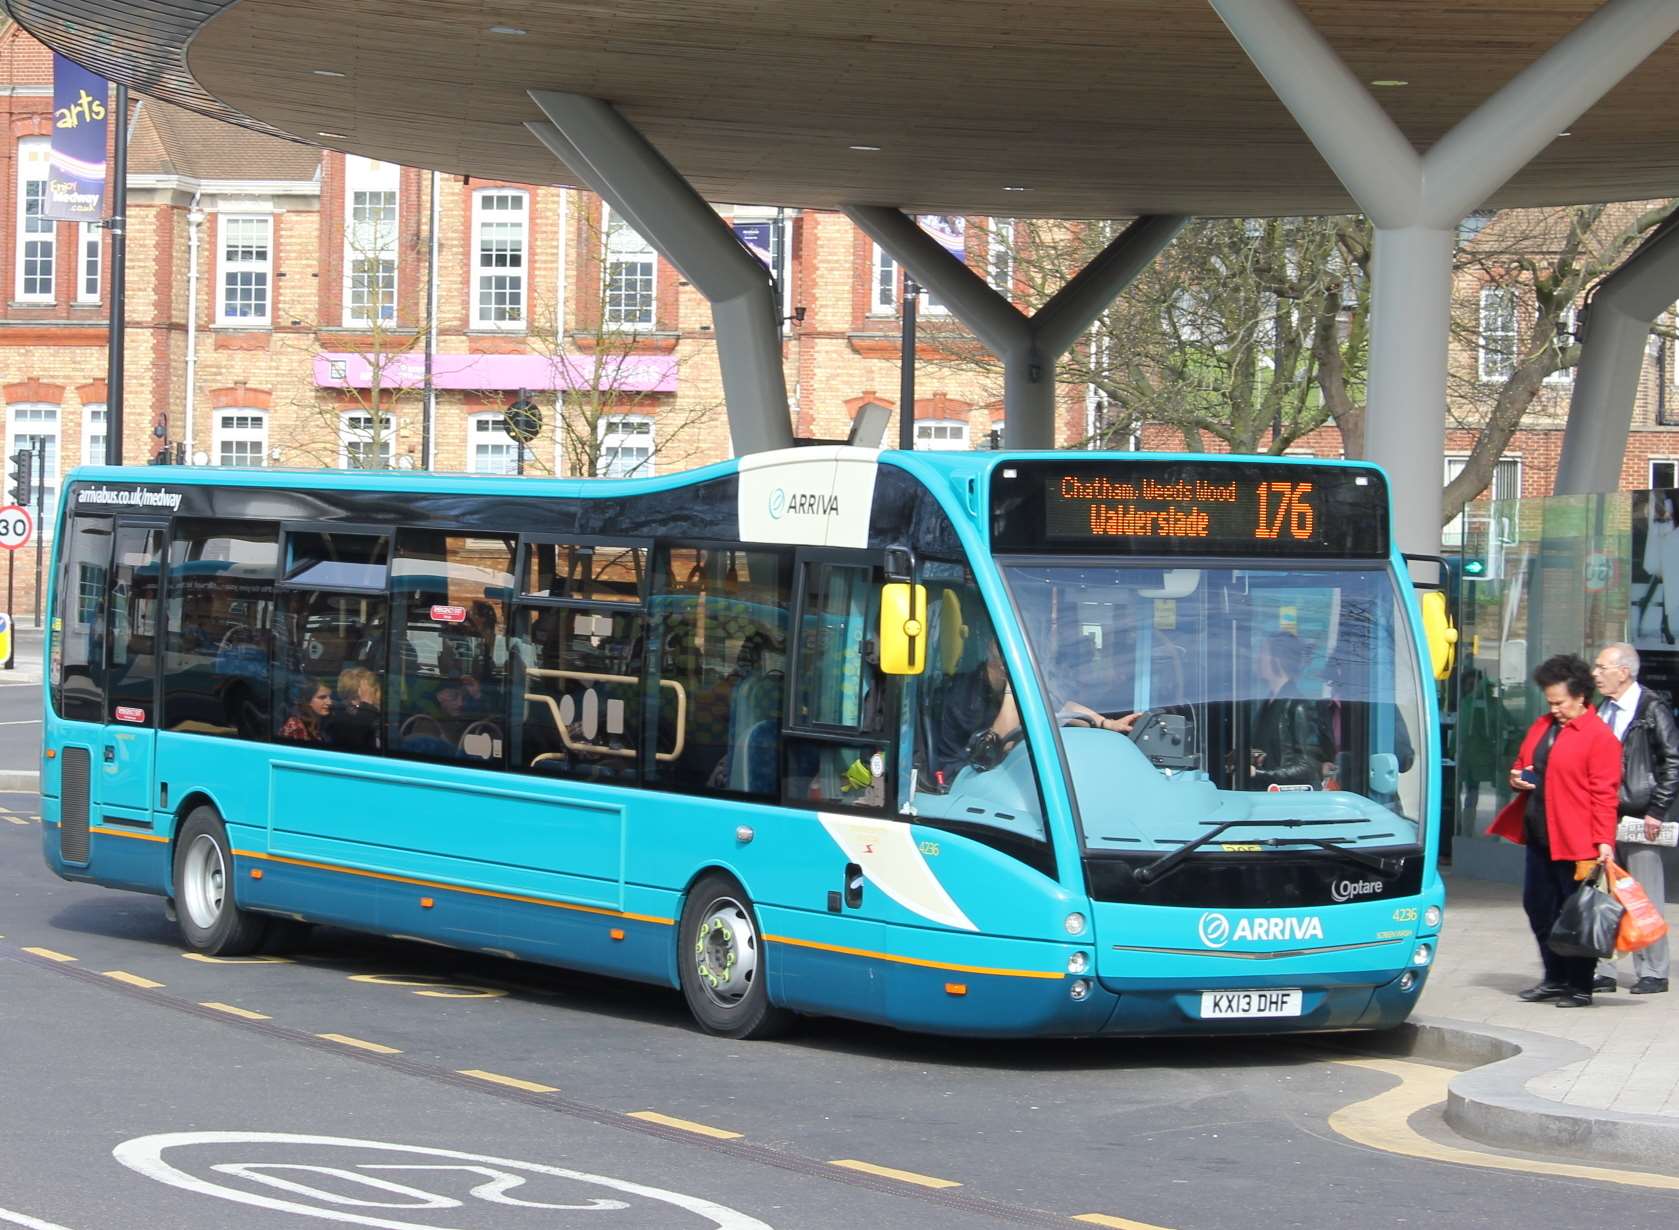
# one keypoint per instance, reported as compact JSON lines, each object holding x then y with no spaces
{"x":759,"y":759}
{"x":756,"y":702}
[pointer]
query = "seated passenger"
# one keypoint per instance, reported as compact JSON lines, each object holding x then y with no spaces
{"x":356,"y":723}
{"x":307,"y":723}
{"x":1286,"y":739}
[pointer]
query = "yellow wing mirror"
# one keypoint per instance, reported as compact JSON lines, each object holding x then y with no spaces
{"x":903,"y":628}
{"x":1437,"y":629}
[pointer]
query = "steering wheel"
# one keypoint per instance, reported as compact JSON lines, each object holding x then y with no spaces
{"x":986,"y":748}
{"x":421,"y":724}
{"x":237,"y":634}
{"x":481,"y":727}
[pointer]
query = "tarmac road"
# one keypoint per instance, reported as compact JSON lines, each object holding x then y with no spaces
{"x":114,"y":1038}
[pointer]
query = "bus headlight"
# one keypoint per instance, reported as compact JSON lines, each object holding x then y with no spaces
{"x":1423,"y":955}
{"x":1075,"y":923}
{"x":1078,"y":963}
{"x":1079,"y":990}
{"x":1431,"y":917}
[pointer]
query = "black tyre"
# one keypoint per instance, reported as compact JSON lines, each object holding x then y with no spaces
{"x":210,"y":922}
{"x":720,"y":958}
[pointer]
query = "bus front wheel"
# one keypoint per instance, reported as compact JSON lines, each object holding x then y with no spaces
{"x":210,"y":921}
{"x":721,"y":962}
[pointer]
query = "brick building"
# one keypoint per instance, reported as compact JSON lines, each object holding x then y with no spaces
{"x":278,"y":314}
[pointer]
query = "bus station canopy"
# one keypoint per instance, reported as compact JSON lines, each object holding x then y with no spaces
{"x":1060,"y":108}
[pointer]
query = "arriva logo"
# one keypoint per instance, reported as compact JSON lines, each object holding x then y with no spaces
{"x":778,"y":503}
{"x":1216,"y":930}
{"x":1346,"y":890}
{"x":803,"y":504}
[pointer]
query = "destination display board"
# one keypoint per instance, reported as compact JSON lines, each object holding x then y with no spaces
{"x":1197,"y":507}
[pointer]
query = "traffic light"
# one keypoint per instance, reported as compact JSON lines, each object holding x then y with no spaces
{"x":23,"y":476}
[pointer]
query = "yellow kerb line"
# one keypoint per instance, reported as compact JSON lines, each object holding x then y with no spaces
{"x":209,"y":960}
{"x":512,"y":1082}
{"x":686,"y":1125}
{"x":361,"y":1044}
{"x":49,"y":954}
{"x":1120,"y":1223}
{"x":887,"y":1172}
{"x":232,"y":1011}
{"x":133,"y":980}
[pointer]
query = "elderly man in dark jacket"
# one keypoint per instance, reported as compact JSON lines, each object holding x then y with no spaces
{"x":1649,"y":783}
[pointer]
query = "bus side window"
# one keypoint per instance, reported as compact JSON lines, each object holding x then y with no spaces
{"x":581,"y":631}
{"x":450,"y":696}
{"x":719,"y":633}
{"x":132,"y":669}
{"x":78,"y":639}
{"x":217,"y":643}
{"x":332,"y":617}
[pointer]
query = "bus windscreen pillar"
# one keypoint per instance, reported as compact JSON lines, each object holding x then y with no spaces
{"x":1028,"y":346}
{"x":1416,"y":200}
{"x":605,"y":151}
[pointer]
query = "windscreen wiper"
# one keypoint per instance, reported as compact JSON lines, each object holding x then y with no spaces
{"x":1382,"y":866}
{"x":1163,"y":866}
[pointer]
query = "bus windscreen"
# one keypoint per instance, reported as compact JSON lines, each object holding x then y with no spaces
{"x":1206,"y":508}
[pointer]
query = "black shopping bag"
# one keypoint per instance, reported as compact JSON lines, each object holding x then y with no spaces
{"x":1589,"y":922}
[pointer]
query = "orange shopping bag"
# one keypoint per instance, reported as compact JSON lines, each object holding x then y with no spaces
{"x":1642,"y":924}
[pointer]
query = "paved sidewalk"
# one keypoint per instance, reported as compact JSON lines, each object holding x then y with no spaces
{"x":1487,"y":954}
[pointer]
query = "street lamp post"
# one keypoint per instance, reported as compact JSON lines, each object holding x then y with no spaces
{"x":906,"y":374}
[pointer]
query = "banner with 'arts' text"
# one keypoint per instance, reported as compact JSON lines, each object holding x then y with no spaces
{"x":80,"y":116}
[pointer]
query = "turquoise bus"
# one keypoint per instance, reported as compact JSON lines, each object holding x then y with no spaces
{"x":989,"y":743}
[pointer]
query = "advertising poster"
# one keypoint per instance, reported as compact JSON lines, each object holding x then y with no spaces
{"x":755,"y":237}
{"x":948,"y":230}
{"x":76,"y":182}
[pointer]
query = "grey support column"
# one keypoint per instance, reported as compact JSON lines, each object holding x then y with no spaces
{"x":616,"y":161}
{"x":1028,"y":346}
{"x":1416,"y":202}
{"x":1617,"y":331}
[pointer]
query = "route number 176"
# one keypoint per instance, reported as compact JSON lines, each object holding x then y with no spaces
{"x":1285,"y":505}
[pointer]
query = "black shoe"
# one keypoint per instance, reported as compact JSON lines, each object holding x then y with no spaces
{"x":1603,"y":982}
{"x":1574,"y":999}
{"x":1543,"y":991}
{"x":1649,"y":986}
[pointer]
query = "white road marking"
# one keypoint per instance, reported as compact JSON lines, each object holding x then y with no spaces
{"x":23,"y":1219}
{"x":144,"y":1155}
{"x":23,"y":722}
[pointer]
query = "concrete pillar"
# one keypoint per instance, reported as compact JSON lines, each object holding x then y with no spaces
{"x":1617,"y":331}
{"x":1416,"y":201}
{"x":1028,"y":346}
{"x":615,"y":160}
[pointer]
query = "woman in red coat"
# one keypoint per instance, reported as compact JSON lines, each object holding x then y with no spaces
{"x":1567,"y":779}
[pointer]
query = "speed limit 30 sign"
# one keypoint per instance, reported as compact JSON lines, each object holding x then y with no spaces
{"x":17,"y":526}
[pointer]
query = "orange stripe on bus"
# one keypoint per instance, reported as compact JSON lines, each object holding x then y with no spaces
{"x":886,"y":956}
{"x":453,"y":888}
{"x":127,"y":834}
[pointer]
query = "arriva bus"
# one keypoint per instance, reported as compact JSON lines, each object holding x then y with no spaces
{"x":981,"y":743}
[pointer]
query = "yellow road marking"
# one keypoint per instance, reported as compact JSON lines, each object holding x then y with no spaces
{"x":133,"y":980}
{"x":514,"y":1082}
{"x":5,"y":811}
{"x":209,"y":960}
{"x":18,"y":820}
{"x":1120,"y":1223}
{"x":887,"y":1172}
{"x":435,"y":988}
{"x":687,"y":1125}
{"x":49,"y":954}
{"x":232,"y":1011}
{"x":1383,"y":1122}
{"x":360,"y":1044}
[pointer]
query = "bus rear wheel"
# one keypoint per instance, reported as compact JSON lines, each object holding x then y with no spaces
{"x":210,"y":921}
{"x":721,"y":962}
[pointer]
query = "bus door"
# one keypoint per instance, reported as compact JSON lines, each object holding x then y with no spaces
{"x":133,"y":614}
{"x":840,"y":757}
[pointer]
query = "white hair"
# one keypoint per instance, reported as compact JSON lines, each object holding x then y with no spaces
{"x":1623,"y":655}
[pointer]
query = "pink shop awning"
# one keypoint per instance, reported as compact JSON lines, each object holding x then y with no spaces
{"x":501,"y":372}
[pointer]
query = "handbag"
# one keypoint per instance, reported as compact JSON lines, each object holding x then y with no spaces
{"x":1590,"y":922}
{"x":1642,"y":924}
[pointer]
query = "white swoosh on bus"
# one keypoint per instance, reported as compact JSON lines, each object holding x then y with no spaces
{"x":887,"y":853}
